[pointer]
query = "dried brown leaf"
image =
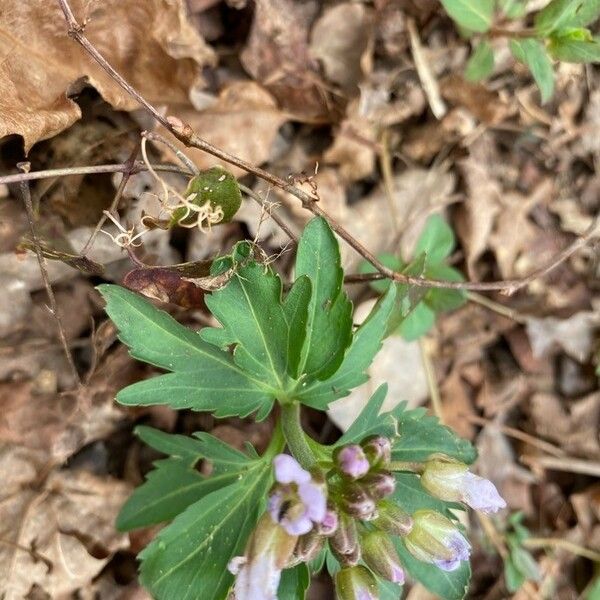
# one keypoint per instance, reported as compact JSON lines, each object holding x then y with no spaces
{"x":151,"y":44}
{"x":244,"y":121}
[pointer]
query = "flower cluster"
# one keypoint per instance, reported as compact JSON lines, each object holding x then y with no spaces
{"x":350,"y":504}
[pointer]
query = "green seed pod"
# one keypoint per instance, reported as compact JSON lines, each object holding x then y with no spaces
{"x":216,"y":186}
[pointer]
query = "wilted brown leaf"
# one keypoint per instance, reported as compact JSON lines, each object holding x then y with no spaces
{"x":151,"y":44}
{"x":243,"y":121}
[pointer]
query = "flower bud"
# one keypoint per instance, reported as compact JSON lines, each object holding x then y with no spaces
{"x":378,"y":485}
{"x":329,"y":524}
{"x":357,"y":502}
{"x":355,"y":583}
{"x":351,"y":461}
{"x":435,"y":539}
{"x":381,"y":557}
{"x":392,"y":519}
{"x":308,"y":547}
{"x":378,"y":450}
{"x":345,"y":538}
{"x":451,"y":480}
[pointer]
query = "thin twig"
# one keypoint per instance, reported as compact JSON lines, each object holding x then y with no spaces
{"x":496,"y":307}
{"x":185,"y":134}
{"x":517,"y":434}
{"x":564,"y":544}
{"x":429,"y":82}
{"x":364,"y":277}
{"x":115,"y":202}
{"x":185,"y":160}
{"x":137,"y":167}
{"x":26,"y":195}
{"x":432,"y":384}
{"x":567,"y":464}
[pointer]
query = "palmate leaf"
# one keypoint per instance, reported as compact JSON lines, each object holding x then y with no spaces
{"x":175,"y":484}
{"x":205,"y":377}
{"x":415,"y":435}
{"x":267,"y":332}
{"x":366,"y":342}
{"x":188,"y":560}
{"x":329,"y":312}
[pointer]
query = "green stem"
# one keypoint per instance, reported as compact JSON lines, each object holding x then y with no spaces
{"x":295,"y":436}
{"x":277,"y":443}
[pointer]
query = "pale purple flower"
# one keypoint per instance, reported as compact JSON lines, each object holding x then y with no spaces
{"x":298,"y":502}
{"x":462,"y":550}
{"x":481,"y":494}
{"x":329,"y":524}
{"x":352,"y":461}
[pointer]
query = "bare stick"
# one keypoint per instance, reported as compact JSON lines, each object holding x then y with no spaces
{"x":567,"y":464}
{"x":185,"y":134}
{"x":114,"y":204}
{"x":25,"y":193}
{"x":137,"y":167}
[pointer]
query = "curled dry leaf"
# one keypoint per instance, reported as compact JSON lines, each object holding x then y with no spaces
{"x":342,"y":40}
{"x":243,"y":121}
{"x":57,"y":536}
{"x":277,"y":56}
{"x":150,"y":43}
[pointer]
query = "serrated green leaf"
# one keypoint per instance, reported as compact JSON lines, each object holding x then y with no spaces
{"x":295,"y":307}
{"x":533,"y":54}
{"x":250,"y":309}
{"x":436,"y":241}
{"x":329,"y":321}
{"x":451,"y":585}
{"x":558,"y":14}
{"x":225,"y":393}
{"x":575,"y":51}
{"x":175,"y":484}
{"x":366,"y":342}
{"x":481,"y":63}
{"x":588,"y":13}
{"x":417,"y":323}
{"x":168,"y":490}
{"x":294,"y":583}
{"x":207,"y":377}
{"x":513,"y":9}
{"x":368,"y":420}
{"x":188,"y":559}
{"x":475,"y":15}
{"x":421,"y":435}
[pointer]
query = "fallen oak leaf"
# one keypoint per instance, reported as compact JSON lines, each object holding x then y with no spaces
{"x":151,"y":44}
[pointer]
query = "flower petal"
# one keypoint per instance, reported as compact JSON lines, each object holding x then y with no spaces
{"x":481,"y":494}
{"x":298,"y":526}
{"x":288,"y":470}
{"x":314,"y":500}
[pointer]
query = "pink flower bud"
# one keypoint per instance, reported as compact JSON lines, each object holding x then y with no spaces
{"x":378,"y":450}
{"x":381,"y":557}
{"x":378,"y":485}
{"x":352,"y":462}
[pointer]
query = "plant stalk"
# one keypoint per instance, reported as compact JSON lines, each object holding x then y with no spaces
{"x":295,"y":436}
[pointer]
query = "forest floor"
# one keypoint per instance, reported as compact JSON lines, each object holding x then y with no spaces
{"x":333,"y":96}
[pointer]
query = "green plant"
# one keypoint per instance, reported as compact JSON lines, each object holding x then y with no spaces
{"x":373,"y":506}
{"x":415,"y":310}
{"x":560,"y":31}
{"x":519,"y":565}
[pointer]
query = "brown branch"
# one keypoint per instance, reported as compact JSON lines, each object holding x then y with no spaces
{"x":26,"y":195}
{"x":186,"y":135}
{"x":138,"y":167}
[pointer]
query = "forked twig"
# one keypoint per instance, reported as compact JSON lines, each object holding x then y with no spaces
{"x":26,"y":195}
{"x":186,"y":135}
